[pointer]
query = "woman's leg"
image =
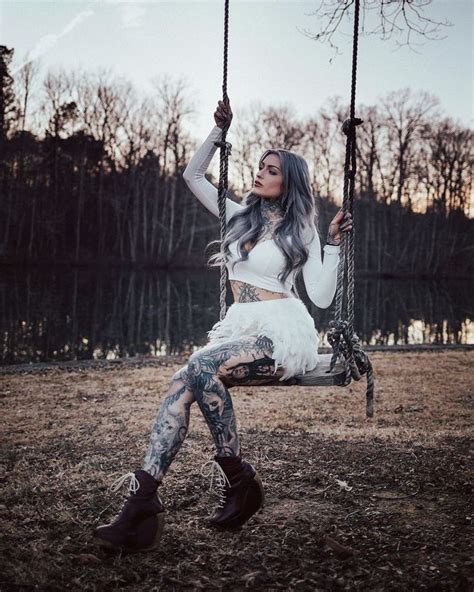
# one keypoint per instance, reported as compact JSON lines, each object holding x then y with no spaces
{"x":211,"y":370}
{"x":205,"y":379}
{"x":171,"y":426}
{"x":140,"y":523}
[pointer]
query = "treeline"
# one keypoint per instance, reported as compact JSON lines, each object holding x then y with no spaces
{"x":91,"y":173}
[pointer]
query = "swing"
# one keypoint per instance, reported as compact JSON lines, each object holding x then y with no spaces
{"x":348,"y":361}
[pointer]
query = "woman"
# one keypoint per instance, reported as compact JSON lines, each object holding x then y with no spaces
{"x":267,"y":335}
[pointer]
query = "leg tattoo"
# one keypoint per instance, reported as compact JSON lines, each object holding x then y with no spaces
{"x":205,"y":379}
{"x":171,"y":427}
{"x":245,"y":361}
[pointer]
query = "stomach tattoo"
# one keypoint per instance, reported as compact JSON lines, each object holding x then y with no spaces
{"x":244,"y":292}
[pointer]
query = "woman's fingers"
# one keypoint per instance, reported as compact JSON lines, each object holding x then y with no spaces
{"x":223,"y":114}
{"x":341,"y":222}
{"x":344,"y":220}
{"x":224,"y":107}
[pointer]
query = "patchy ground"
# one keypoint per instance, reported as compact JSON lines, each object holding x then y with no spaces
{"x":352,"y":504}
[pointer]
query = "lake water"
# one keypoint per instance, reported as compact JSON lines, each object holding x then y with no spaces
{"x":81,"y":314}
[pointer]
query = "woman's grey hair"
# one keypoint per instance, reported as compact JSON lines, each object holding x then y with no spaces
{"x":300,"y":210}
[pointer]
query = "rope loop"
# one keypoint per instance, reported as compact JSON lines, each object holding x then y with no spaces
{"x":226,"y":146}
{"x":349,"y":124}
{"x":348,"y":347}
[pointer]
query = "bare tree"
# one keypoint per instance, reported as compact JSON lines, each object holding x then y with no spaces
{"x":446,"y":166}
{"x":369,"y":148}
{"x":280,"y":127}
{"x":84,"y":94}
{"x":105,"y":180}
{"x":173,"y":105}
{"x":110,"y":111}
{"x":24,"y":87}
{"x":406,"y":113}
{"x":84,"y":98}
{"x":7,"y":117}
{"x":58,"y":106}
{"x":393,"y":18}
{"x":323,"y":148}
{"x":8,"y":111}
{"x":247,"y":145}
{"x":138,"y":141}
{"x":258,"y":129}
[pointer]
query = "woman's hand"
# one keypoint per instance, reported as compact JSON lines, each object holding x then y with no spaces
{"x":337,"y":226}
{"x":223,"y":114}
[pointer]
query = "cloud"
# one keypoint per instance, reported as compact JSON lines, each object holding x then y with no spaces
{"x":47,"y":42}
{"x":132,"y":12}
{"x":131,"y":15}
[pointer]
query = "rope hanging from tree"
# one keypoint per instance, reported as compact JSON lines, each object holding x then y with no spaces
{"x":225,"y":149}
{"x":341,"y":336}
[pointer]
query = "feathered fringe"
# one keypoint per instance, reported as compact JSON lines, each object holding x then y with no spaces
{"x":285,"y":321}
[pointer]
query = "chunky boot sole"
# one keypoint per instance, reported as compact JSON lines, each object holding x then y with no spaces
{"x":151,"y":531}
{"x":254,"y":500}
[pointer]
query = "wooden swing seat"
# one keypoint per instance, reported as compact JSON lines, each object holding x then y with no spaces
{"x":321,"y":376}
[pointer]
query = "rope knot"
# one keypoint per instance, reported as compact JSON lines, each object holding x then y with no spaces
{"x":226,"y":146}
{"x":347,"y":125}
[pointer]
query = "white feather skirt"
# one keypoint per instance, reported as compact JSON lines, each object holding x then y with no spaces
{"x":286,"y":321}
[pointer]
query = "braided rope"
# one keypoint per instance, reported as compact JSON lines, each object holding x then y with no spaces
{"x":225,"y":149}
{"x":341,"y":336}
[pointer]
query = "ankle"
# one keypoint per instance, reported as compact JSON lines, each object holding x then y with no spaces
{"x":142,"y":484}
{"x":231,"y":465}
{"x":148,"y":476}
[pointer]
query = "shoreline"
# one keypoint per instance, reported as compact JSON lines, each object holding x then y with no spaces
{"x":9,"y":266}
{"x":167,"y":360}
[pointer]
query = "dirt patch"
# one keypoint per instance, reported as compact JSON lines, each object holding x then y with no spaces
{"x":351,"y":503}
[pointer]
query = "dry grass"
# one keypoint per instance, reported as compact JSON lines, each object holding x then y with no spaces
{"x":392,"y":490}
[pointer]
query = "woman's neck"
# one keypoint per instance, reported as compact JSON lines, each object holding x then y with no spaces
{"x":271,"y":209}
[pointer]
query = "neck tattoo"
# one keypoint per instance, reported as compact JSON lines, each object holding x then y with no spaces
{"x":272,"y":210}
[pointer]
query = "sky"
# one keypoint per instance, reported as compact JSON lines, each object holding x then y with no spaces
{"x":270,"y":59}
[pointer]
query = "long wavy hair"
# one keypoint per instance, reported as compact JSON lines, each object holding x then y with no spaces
{"x":300,"y":210}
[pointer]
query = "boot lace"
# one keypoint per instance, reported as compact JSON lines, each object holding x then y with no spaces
{"x":133,"y":485}
{"x":221,"y":479}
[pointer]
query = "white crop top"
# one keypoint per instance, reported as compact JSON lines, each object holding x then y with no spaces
{"x":265,"y":261}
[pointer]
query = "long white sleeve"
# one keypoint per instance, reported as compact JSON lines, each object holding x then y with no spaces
{"x":197,"y":182}
{"x":320,"y":276}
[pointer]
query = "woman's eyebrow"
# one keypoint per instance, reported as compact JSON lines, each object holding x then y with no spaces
{"x":272,"y":165}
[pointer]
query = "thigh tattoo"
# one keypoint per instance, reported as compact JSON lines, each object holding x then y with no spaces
{"x":211,"y":370}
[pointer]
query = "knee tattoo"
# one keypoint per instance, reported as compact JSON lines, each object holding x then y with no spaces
{"x":181,"y":374}
{"x":196,"y":371}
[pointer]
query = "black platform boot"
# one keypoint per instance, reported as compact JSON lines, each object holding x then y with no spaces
{"x":241,"y":492}
{"x":139,"y":525}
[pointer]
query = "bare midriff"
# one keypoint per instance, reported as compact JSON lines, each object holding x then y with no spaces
{"x":244,"y":292}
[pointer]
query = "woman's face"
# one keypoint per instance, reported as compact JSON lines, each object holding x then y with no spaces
{"x":269,"y":179}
